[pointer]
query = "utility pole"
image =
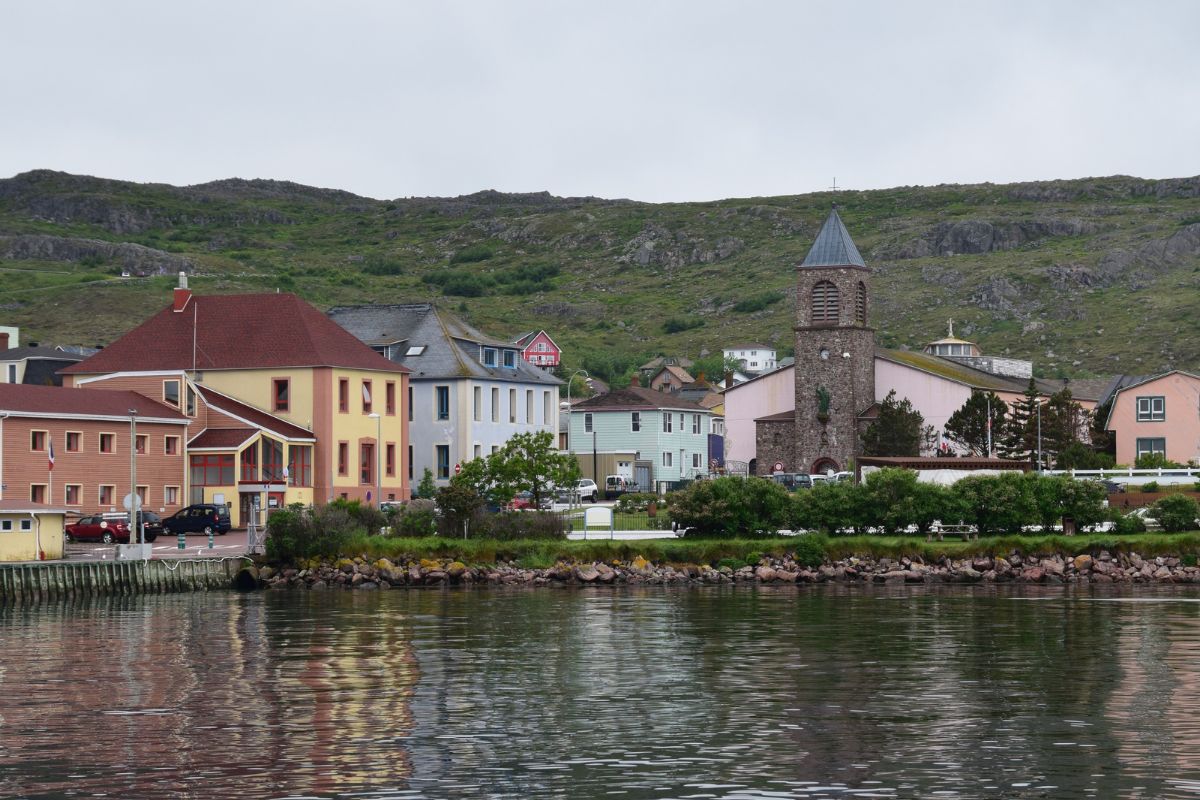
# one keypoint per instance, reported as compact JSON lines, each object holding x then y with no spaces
{"x":135,"y":528}
{"x":1039,"y":434}
{"x":988,"y":396}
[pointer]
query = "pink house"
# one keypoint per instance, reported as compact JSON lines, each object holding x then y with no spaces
{"x":1158,"y":415}
{"x":539,"y":349}
{"x":766,"y":394}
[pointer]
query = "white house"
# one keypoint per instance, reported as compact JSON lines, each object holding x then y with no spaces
{"x":469,"y":392}
{"x":754,"y":358}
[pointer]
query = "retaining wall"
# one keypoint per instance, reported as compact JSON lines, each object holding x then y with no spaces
{"x":56,"y":580}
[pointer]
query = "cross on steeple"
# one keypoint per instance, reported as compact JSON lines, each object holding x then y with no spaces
{"x":835,"y":186}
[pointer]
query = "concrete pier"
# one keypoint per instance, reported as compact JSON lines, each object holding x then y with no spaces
{"x":21,"y":583}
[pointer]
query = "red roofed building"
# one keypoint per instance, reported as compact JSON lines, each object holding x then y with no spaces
{"x":539,"y":349}
{"x":89,"y":433}
{"x":285,"y":405}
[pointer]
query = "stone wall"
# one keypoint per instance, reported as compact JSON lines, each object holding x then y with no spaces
{"x":775,"y":440}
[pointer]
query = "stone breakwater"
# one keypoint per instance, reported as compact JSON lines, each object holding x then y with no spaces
{"x":1101,"y":567}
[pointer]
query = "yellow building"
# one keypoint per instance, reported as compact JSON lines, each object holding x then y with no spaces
{"x":285,"y":405}
{"x":30,"y":531}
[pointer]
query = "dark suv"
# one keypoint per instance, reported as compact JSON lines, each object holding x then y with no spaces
{"x":200,"y":518}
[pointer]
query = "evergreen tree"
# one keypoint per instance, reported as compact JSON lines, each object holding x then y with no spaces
{"x":899,"y":430}
{"x":968,"y":427}
{"x":1020,"y":439}
{"x":1064,"y":423}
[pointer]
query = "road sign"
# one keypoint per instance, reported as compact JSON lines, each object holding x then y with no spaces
{"x":128,"y":502}
{"x":458,"y":469}
{"x":778,"y":467}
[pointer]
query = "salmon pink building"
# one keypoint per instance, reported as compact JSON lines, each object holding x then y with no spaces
{"x":1160,"y":415}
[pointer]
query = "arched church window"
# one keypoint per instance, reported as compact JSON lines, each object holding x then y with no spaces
{"x":824,"y":302}
{"x":860,"y":304}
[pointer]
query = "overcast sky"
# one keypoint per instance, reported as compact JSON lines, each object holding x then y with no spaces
{"x":689,"y":100}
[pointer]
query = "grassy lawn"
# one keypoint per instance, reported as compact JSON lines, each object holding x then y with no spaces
{"x":541,"y":554}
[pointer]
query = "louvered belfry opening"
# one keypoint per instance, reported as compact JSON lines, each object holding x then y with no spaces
{"x":860,"y":304}
{"x":824,"y":303}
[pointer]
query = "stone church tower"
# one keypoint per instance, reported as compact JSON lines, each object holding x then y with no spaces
{"x":835,"y":350}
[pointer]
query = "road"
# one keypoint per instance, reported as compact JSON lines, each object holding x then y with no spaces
{"x":231,"y":544}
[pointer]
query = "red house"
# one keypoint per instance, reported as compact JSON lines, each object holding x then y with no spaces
{"x":539,"y":349}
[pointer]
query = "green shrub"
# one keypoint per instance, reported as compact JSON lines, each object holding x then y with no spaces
{"x":635,"y":503}
{"x":729,"y":507}
{"x":757,"y":302}
{"x":1128,"y":523}
{"x":426,"y":489}
{"x":997,"y":503}
{"x":1176,"y":512}
{"x":1150,"y":486}
{"x":810,"y":550}
{"x":416,"y":518}
{"x":832,"y":508}
{"x":510,"y":526}
{"x":460,"y":505}
{"x":681,"y":324}
{"x":733,"y":563}
{"x":1154,"y":461}
{"x":301,"y":532}
{"x":378,"y":265}
{"x":472,"y":254}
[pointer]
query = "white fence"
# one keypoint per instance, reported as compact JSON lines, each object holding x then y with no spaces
{"x":1134,"y":477}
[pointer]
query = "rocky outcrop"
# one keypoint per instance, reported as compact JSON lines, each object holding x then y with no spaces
{"x":1114,"y":188}
{"x":135,"y":258}
{"x":657,"y":246}
{"x":974,"y":236}
{"x":1087,"y":568}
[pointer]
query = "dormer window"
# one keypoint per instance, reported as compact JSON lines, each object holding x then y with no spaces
{"x":489,"y":356}
{"x":510,"y":358}
{"x":415,"y":350}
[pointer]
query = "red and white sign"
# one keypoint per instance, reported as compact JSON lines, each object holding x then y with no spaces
{"x":458,"y":469}
{"x":778,"y":467}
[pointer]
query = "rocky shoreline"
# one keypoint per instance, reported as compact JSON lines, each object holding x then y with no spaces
{"x":1102,"y":567}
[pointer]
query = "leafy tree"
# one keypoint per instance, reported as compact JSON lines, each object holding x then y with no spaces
{"x":427,"y":488}
{"x":459,"y":503}
{"x":968,"y":426}
{"x":1078,"y":455}
{"x":731,"y":507}
{"x":715,"y":367}
{"x":1083,"y":501}
{"x":1176,"y":512}
{"x":831,"y":508}
{"x":997,"y":503}
{"x":1102,"y":440}
{"x":899,"y":430}
{"x":528,"y":462}
{"x":894,"y":500}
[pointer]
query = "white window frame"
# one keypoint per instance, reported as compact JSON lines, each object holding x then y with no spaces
{"x":667,"y":417}
{"x":489,"y":357}
{"x":1150,"y":447}
{"x":588,"y":423}
{"x":635,"y":422}
{"x":1152,"y":408}
{"x":666,"y":459}
{"x":695,"y":423}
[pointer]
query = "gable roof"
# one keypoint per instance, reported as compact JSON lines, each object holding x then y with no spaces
{"x":222,"y":439}
{"x":969,"y":376}
{"x":25,"y":400}
{"x":241,"y":331}
{"x":679,"y":373}
{"x":526,"y":338}
{"x":260,"y":419}
{"x":37,"y":352}
{"x":452,"y":347}
{"x":636,"y":398}
{"x":833,"y":246}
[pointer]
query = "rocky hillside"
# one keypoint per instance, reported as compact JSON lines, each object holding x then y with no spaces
{"x":1085,"y":277}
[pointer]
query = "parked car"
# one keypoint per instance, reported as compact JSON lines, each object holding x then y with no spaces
{"x":523,"y":501}
{"x":616,"y":485}
{"x":585,"y":490}
{"x":1114,"y":488}
{"x":200,"y":518}
{"x":793,"y":480}
{"x":151,"y":521}
{"x":96,"y":528}
{"x":1143,"y":514}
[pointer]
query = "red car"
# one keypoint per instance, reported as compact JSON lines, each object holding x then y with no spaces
{"x":98,"y":528}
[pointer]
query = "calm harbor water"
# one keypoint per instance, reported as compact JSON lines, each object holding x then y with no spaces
{"x":639,"y":693}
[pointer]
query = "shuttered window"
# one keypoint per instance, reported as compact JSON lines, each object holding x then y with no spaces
{"x":824,"y":302}
{"x":860,"y":304}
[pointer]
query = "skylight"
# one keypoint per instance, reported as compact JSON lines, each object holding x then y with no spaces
{"x":415,"y":350}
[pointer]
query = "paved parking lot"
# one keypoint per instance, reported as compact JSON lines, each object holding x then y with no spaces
{"x":231,"y":544}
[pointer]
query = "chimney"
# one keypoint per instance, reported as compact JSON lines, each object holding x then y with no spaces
{"x":634,"y":383}
{"x":728,"y":380}
{"x":182,"y":293}
{"x":4,"y":340}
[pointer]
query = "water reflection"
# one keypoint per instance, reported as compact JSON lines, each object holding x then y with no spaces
{"x":718,"y":693}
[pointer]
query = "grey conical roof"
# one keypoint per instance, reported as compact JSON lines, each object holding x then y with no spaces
{"x":833,"y":247}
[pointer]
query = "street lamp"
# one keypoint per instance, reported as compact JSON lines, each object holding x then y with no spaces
{"x":135,"y":506}
{"x":378,"y":447}
{"x":570,"y":380}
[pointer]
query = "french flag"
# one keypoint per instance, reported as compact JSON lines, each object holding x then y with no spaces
{"x":51,"y":455}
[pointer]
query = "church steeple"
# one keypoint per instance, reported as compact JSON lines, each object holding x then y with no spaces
{"x":833,"y":246}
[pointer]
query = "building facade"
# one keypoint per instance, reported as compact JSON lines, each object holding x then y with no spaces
{"x":835,"y":350}
{"x":668,"y":433}
{"x":285,"y":406}
{"x":470,"y":392}
{"x":539,"y":350}
{"x":753,"y":358}
{"x":1158,"y":415}
{"x":89,"y":434}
